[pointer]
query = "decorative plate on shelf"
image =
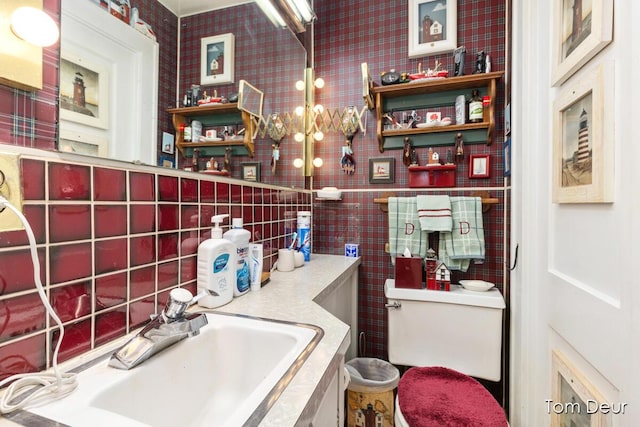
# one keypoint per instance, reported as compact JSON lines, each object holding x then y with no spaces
{"x":476,"y":285}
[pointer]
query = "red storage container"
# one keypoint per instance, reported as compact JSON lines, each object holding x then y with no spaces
{"x":432,"y":176}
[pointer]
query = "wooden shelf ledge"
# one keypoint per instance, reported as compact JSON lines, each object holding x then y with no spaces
{"x":487,"y":201}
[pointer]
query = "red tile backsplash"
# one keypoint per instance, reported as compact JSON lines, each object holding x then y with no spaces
{"x":21,"y":315}
{"x":16,"y":270}
{"x":69,"y":262}
{"x":167,"y":246}
{"x":110,"y":255}
{"x":167,"y":217}
{"x":35,"y":215}
{"x":71,"y":302}
{"x":188,"y":190}
{"x":69,"y":182}
{"x":109,"y":184}
{"x":142,"y":282}
{"x":33,"y":188}
{"x":143,"y":250}
{"x":69,"y":222}
{"x":141,"y":187}
{"x":168,"y":188}
{"x":111,"y":290}
{"x":110,"y":220}
{"x":142,"y":218}
{"x":23,"y":356}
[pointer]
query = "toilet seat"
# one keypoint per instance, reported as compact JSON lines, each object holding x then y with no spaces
{"x":438,"y":396}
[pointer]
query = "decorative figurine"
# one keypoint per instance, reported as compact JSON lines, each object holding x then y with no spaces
{"x":481,"y":62}
{"x":459,"y":146}
{"x":438,"y":274}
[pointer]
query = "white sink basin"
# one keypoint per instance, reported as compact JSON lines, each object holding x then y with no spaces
{"x":229,"y":374}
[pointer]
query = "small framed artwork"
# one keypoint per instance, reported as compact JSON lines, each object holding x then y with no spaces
{"x":479,"y":165}
{"x":84,"y":91}
{"x":168,"y":143}
{"x":583,"y":145}
{"x":580,"y":30}
{"x":382,"y":171}
{"x":574,"y":400}
{"x":506,"y":155}
{"x":81,"y":142}
{"x":251,"y":171}
{"x":217,"y":59}
{"x":432,"y":27}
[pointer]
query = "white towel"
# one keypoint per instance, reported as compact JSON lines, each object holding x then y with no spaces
{"x":434,"y":213}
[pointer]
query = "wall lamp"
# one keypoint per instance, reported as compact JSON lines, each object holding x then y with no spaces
{"x":24,"y":30}
{"x":295,"y":14}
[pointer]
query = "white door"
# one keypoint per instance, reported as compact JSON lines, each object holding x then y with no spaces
{"x":575,"y":288}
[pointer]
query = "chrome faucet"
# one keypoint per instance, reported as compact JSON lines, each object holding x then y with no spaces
{"x":166,"y":329}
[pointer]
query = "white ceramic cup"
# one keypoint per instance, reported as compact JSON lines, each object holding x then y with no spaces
{"x":298,"y":258}
{"x":286,"y":260}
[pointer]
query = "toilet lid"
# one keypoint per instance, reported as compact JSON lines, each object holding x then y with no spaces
{"x":437,"y":396}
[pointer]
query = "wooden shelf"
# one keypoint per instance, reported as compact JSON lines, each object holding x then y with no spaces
{"x":434,"y":94}
{"x":214,"y":115}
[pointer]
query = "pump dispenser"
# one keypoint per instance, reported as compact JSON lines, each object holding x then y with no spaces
{"x":240,"y":238}
{"x":216,"y":267}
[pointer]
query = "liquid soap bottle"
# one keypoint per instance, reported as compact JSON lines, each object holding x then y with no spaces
{"x":216,"y":267}
{"x":240,"y":238}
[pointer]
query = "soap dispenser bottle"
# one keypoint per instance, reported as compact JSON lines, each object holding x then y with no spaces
{"x":240,"y":238}
{"x":216,"y":267}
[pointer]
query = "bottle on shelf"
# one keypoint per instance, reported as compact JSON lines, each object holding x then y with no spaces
{"x":475,"y":107}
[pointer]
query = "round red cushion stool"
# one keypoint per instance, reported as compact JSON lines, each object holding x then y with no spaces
{"x":437,"y":396}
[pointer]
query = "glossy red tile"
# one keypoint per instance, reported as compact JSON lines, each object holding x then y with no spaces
{"x":16,"y":270}
{"x":167,"y":188}
{"x":109,"y":184}
{"x":206,"y":212}
{"x":167,"y":217}
{"x":69,"y":182}
{"x":141,"y":187}
{"x":140,"y":312}
{"x":71,"y":301}
{"x":167,"y":274}
{"x":222,"y":192}
{"x":142,"y":218}
{"x":167,"y":246}
{"x":33,"y":179}
{"x":111,"y":325}
{"x":236,"y":193}
{"x":76,"y":340}
{"x":207,"y":191}
{"x":24,"y":356}
{"x":110,"y":255}
{"x":111,"y":290}
{"x":69,"y":222}
{"x":142,"y":282}
{"x":188,"y":190}
{"x":189,"y":242}
{"x":69,"y":262}
{"x":247,"y":214}
{"x":188,"y":269}
{"x":143,"y":250}
{"x":189,"y":216}
{"x":21,"y":315}
{"x":110,"y":220}
{"x":35,"y":215}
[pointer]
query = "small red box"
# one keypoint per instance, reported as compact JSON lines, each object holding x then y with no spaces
{"x":409,"y":272}
{"x":432,"y":176}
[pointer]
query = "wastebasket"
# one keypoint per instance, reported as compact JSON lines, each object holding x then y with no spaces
{"x":370,"y":392}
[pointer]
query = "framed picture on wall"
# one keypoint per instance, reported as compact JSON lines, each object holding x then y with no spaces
{"x":82,"y":142}
{"x":217,"y":57}
{"x":506,"y":156}
{"x":432,"y":27}
{"x":251,"y":171}
{"x":583,"y":145}
{"x":479,"y":165}
{"x":574,"y":400}
{"x":84,"y":91}
{"x":382,"y":171}
{"x":581,"y":29}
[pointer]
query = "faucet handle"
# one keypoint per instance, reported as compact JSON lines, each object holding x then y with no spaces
{"x":179,"y":300}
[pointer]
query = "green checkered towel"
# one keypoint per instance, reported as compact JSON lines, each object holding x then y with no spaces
{"x":466,"y":239}
{"x":404,"y":228}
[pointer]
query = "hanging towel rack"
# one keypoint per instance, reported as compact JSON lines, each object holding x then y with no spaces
{"x":487,"y":200}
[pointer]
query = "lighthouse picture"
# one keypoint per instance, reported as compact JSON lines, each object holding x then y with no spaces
{"x":577,"y":150}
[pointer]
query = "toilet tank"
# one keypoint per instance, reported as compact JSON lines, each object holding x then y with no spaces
{"x":459,"y":329}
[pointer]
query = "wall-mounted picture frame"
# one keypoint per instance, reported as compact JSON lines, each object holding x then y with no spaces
{"x":432,"y":27}
{"x":382,"y":171}
{"x":583,"y":138}
{"x":574,"y":400}
{"x":479,"y":166}
{"x":251,"y":171}
{"x":217,"y":59}
{"x":83,"y":142}
{"x":168,"y":143}
{"x":581,"y":29}
{"x":84,"y":91}
{"x":506,"y":156}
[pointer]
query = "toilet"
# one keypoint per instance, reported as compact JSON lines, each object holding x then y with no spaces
{"x":446,"y":338}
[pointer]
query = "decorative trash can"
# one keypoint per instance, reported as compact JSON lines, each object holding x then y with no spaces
{"x":370,"y":397}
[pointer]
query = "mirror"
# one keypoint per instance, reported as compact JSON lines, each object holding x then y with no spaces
{"x":270,"y":62}
{"x":250,"y":99}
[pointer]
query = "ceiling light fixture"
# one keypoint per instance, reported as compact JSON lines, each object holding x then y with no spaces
{"x":34,"y":26}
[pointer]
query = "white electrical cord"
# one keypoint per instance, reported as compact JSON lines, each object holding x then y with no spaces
{"x":44,"y":387}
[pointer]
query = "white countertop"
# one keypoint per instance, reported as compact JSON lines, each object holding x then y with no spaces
{"x":290,"y":296}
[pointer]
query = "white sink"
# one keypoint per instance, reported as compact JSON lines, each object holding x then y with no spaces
{"x":228,"y":375}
